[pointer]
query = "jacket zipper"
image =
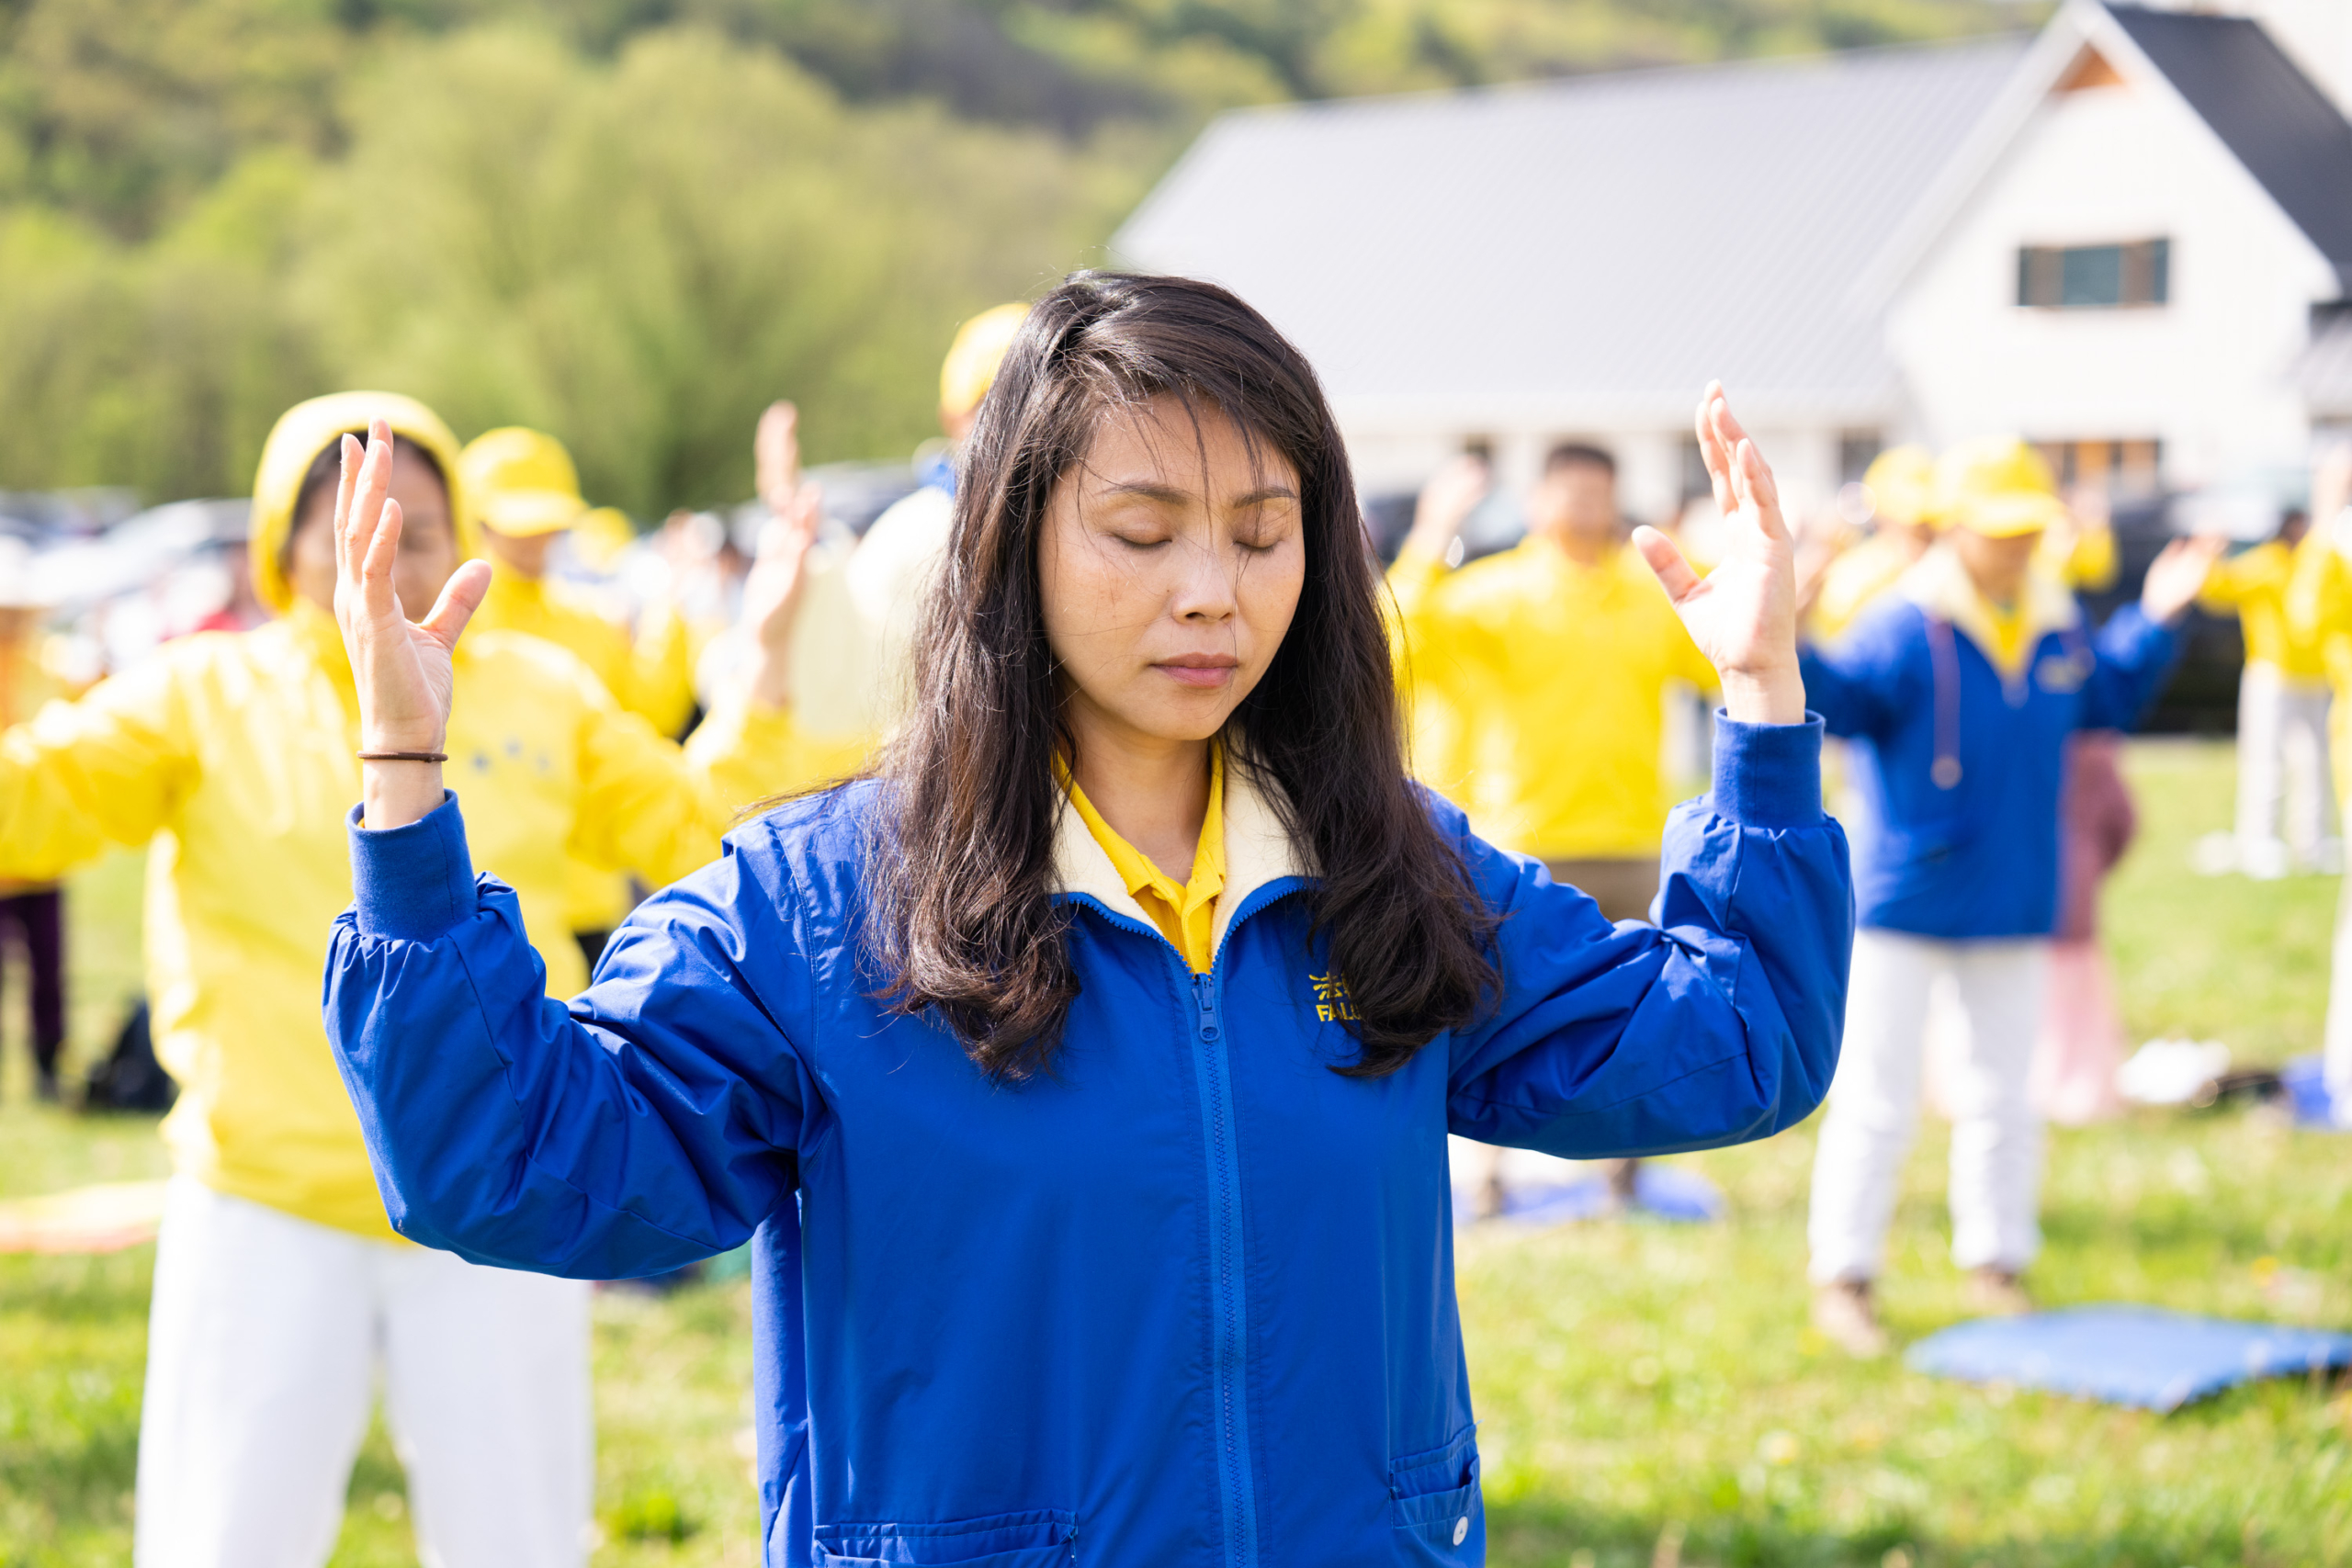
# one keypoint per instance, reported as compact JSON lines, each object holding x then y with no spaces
{"x":1230,"y":1315}
{"x":1229,"y":1336}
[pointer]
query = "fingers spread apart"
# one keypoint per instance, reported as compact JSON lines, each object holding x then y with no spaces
{"x":1674,"y":573}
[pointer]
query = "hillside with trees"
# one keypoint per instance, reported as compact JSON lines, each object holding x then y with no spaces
{"x":634,"y":221}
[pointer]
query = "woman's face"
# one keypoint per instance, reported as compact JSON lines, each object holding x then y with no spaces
{"x":428,"y":551}
{"x":1171,"y":565}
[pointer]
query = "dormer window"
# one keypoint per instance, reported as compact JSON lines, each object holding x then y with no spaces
{"x":2095,"y":278}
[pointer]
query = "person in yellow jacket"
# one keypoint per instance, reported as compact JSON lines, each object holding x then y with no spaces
{"x":280,"y":1285}
{"x":525,"y":495}
{"x":1557,"y":655}
{"x":1901,"y":481}
{"x":1549,"y":666}
{"x":2282,"y":707}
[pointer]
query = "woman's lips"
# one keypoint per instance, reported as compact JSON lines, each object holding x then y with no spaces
{"x":1204,"y":672}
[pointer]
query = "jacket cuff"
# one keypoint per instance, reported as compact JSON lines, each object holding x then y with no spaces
{"x":1769,"y":776}
{"x":416,"y":883}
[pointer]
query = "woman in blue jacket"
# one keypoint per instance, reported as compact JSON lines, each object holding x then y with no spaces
{"x":1083,"y":1074}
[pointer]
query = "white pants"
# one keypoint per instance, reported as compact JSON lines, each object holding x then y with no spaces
{"x":2282,"y":763}
{"x":2339,"y":1036}
{"x":265,"y":1340}
{"x":1874,"y":1102}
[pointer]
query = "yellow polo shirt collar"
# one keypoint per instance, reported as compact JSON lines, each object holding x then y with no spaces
{"x":1186,"y":913}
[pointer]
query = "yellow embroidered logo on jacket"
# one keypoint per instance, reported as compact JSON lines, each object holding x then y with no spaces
{"x":1331,"y":1004}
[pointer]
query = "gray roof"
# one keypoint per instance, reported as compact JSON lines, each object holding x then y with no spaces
{"x":1593,"y":249}
{"x":2274,"y":119}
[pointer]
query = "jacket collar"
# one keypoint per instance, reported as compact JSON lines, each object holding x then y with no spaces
{"x":1257,"y":853}
{"x":1939,"y":584}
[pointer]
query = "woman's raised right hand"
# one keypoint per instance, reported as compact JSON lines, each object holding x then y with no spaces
{"x":401,"y":667}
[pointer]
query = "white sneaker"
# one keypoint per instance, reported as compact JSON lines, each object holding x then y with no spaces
{"x":2214,"y":854}
{"x":2266,"y":860}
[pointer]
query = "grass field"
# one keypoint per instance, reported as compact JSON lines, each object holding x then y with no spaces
{"x":1648,"y":1395}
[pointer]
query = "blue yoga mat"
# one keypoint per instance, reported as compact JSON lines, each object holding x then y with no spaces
{"x":1664,"y":1192}
{"x":2306,"y":1088}
{"x":2127,"y":1355}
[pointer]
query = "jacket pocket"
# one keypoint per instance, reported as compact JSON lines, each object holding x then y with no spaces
{"x":1042,"y":1537}
{"x":1433,"y":1503}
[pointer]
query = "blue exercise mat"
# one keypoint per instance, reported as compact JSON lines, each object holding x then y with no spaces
{"x":1664,"y":1192}
{"x":2306,"y":1087}
{"x":2127,"y":1355}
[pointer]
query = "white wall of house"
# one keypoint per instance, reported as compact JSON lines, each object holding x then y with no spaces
{"x":2204,"y":373}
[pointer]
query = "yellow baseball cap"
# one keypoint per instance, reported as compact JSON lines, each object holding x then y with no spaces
{"x":522,"y":481}
{"x":1901,"y":482}
{"x":307,"y":429}
{"x":1998,"y":486}
{"x":602,"y":535}
{"x":972,"y":359}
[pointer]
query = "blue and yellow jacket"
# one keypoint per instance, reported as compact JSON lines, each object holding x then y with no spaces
{"x":1186,"y":1300}
{"x":1961,"y":743}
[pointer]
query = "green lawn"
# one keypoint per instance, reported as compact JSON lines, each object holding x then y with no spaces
{"x":1648,"y":1394}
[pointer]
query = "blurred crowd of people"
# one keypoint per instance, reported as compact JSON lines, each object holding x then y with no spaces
{"x":1981,"y":715}
{"x":622,"y":696}
{"x":621,"y":701}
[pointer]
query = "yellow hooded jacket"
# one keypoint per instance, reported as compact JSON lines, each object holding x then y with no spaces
{"x":230,"y":756}
{"x":656,"y":685}
{"x":1538,"y":693}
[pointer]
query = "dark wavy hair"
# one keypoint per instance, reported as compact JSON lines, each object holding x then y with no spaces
{"x":960,"y":865}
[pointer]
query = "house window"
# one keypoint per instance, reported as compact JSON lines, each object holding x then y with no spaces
{"x":2094,"y":277}
{"x":1695,"y":480}
{"x":2123,"y":468}
{"x":1857,"y":450}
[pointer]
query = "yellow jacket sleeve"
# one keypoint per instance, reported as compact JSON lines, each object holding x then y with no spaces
{"x":2319,"y":603}
{"x":1413,"y":579}
{"x":2226,"y":584}
{"x":650,"y":806}
{"x":1434,"y":652}
{"x":1690,"y":663}
{"x":1434,"y":631}
{"x":80,"y":775}
{"x":2091,"y":564}
{"x":662,"y":670}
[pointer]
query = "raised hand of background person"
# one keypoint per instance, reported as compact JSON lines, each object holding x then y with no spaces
{"x":1821,"y":540}
{"x":2332,"y":490}
{"x":1743,"y":614}
{"x":2176,"y":575}
{"x":1446,"y":502}
{"x":401,"y":667}
{"x":775,"y":457}
{"x":771,"y":592}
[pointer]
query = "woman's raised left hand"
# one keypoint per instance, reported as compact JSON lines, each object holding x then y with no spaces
{"x":402,"y":668}
{"x":1743,"y":614}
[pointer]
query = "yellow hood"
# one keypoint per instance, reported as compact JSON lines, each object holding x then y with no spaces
{"x":309,"y":428}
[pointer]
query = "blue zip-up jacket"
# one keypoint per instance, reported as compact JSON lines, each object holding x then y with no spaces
{"x":1958,"y":770}
{"x":1188,"y":1300}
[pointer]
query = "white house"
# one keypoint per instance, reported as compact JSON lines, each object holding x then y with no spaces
{"x":2127,"y":238}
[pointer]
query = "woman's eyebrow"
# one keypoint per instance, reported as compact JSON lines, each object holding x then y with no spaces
{"x":1169,"y":496}
{"x":1143,"y":489}
{"x":1265,"y":493}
